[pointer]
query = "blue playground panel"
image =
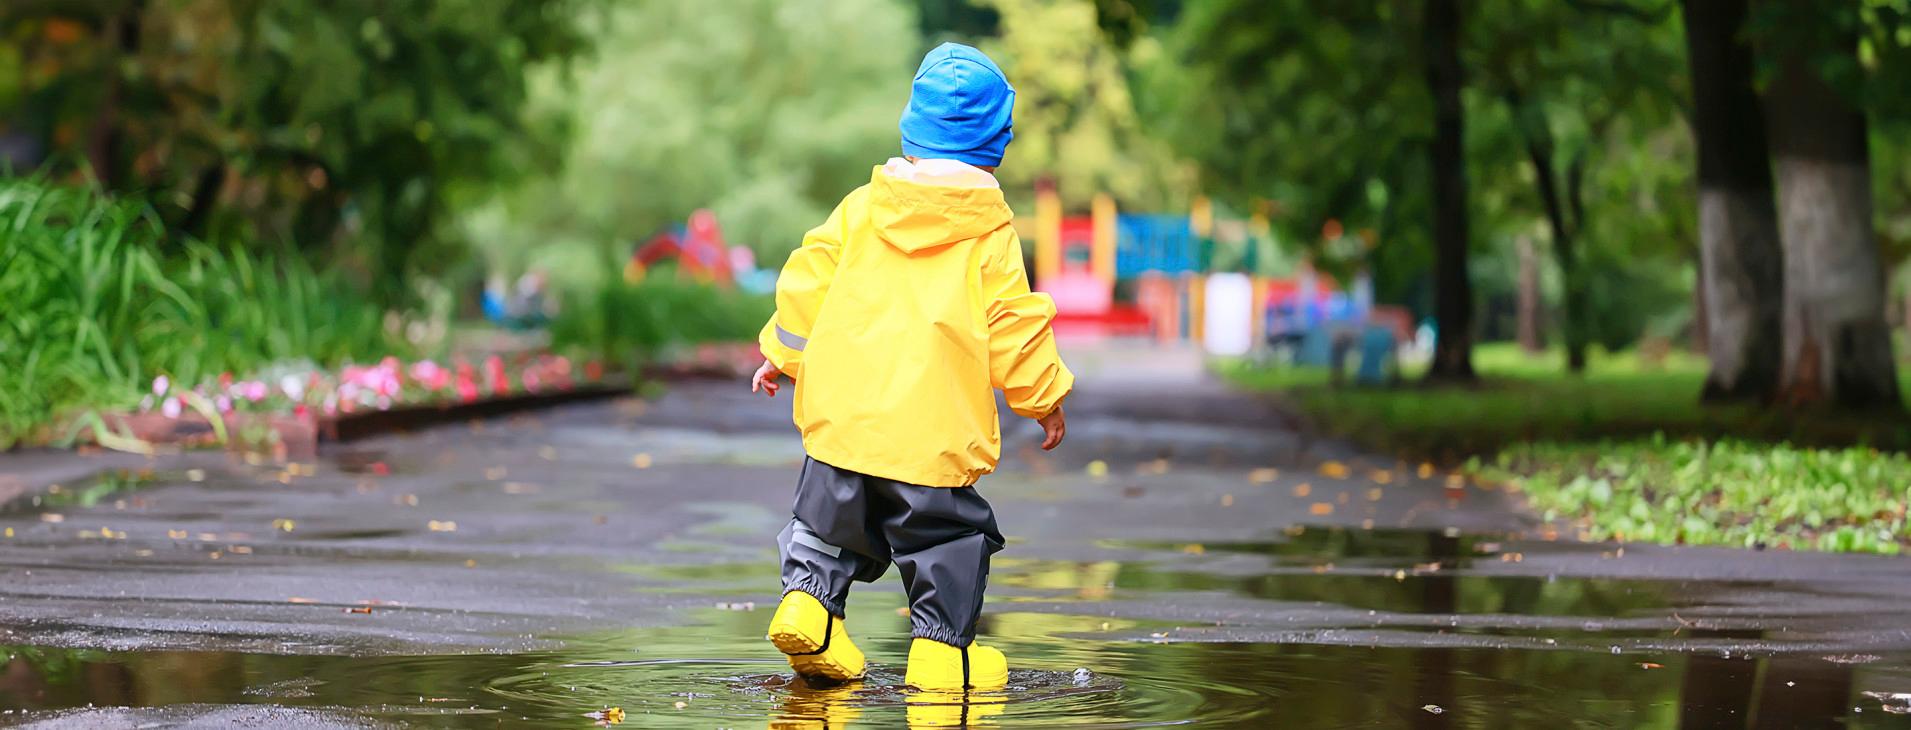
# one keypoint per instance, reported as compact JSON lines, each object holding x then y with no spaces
{"x":1158,"y":243}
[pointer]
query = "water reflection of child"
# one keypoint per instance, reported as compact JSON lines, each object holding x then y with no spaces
{"x":897,"y":318}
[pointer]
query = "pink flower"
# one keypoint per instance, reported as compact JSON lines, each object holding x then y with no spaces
{"x":162,"y":384}
{"x":425,"y":371}
{"x":223,"y":403}
{"x":294,"y":387}
{"x":170,"y":408}
{"x":467,"y":389}
{"x":253,"y":390}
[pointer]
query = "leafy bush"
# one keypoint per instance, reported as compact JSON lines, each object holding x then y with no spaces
{"x":1727,"y":492}
{"x":627,"y":324}
{"x":95,"y":309}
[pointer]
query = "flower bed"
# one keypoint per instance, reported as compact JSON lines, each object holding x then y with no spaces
{"x":289,"y":408}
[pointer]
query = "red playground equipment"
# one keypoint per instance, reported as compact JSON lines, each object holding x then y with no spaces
{"x":697,"y":247}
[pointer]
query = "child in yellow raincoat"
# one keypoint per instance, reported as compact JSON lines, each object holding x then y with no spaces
{"x":897,"y":319}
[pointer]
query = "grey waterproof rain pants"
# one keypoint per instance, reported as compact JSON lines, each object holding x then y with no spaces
{"x":850,"y":526}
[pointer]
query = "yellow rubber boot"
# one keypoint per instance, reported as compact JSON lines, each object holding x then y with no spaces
{"x":938,"y":667}
{"x":817,"y":643}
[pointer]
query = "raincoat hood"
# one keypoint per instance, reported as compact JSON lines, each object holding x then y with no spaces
{"x":915,"y":216}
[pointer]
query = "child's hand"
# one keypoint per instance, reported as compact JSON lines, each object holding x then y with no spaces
{"x":765,"y":379}
{"x":1054,"y":428}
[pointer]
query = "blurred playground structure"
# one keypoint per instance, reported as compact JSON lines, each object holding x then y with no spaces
{"x":694,"y":251}
{"x":1221,"y":284}
{"x":698,"y":250}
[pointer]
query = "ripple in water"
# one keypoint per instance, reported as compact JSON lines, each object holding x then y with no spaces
{"x":725,"y":690}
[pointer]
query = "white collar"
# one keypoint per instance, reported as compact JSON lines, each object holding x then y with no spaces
{"x":935,"y":171}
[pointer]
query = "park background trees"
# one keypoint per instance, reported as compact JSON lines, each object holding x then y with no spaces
{"x":1668,"y":162}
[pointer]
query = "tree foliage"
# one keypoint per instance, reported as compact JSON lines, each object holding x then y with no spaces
{"x":1075,"y":118}
{"x":347,"y":127}
{"x":766,"y":112}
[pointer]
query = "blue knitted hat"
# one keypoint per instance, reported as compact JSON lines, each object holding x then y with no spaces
{"x":961,"y":107}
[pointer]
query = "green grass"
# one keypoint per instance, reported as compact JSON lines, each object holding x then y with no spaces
{"x":98,"y":303}
{"x":1726,"y":492}
{"x":1524,"y":398}
{"x":1627,"y":451}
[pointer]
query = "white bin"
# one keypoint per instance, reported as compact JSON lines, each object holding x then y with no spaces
{"x":1229,"y":314}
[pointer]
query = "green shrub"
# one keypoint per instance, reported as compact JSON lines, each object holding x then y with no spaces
{"x":96,"y":308}
{"x":627,"y":324}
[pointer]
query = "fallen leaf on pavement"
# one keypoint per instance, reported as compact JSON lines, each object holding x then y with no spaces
{"x":607,"y":716}
{"x":1227,"y":500}
{"x":1651,"y":665}
{"x":1322,"y":508}
{"x":442,"y":526}
{"x":1303,"y":489}
{"x":1098,"y":468}
{"x":359,"y":609}
{"x":1194,"y":548}
{"x":1333,"y":470}
{"x":641,"y":461}
{"x":284,"y":524}
{"x":1264,"y":475}
{"x":296,"y":599}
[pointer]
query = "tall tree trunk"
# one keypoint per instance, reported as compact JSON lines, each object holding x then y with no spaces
{"x":1741,"y":269}
{"x":1565,"y":213}
{"x":1701,"y":339}
{"x":1837,"y":342}
{"x":1528,"y":296}
{"x":1452,"y":291}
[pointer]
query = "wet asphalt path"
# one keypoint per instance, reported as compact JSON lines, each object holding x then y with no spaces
{"x":1177,"y":513}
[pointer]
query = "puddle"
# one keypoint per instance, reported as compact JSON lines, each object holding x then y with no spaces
{"x":102,"y":489}
{"x":717,"y":674}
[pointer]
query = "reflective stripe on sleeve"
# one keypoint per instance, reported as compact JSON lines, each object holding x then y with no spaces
{"x":790,"y":340}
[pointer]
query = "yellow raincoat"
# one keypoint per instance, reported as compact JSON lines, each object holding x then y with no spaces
{"x":898,"y":318}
